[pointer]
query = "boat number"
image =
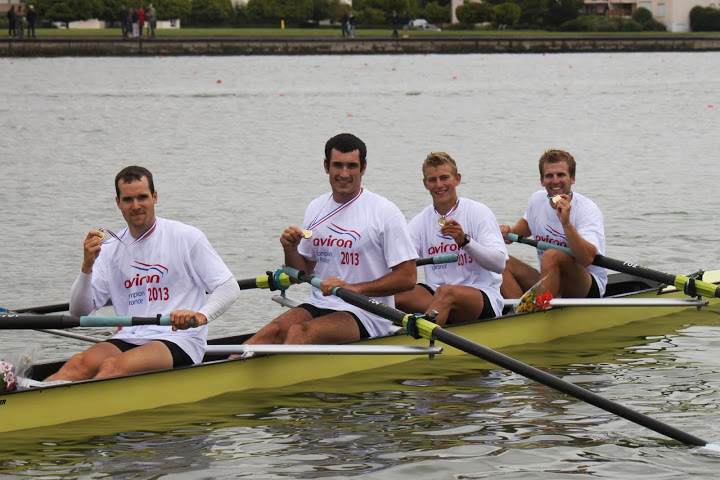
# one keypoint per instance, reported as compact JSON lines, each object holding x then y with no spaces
{"x":350,"y":258}
{"x":158,"y":293}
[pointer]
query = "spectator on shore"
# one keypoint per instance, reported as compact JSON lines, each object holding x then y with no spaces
{"x":124,"y":21}
{"x":141,"y":20}
{"x":19,"y":22}
{"x":344,"y":24}
{"x":395,"y":23}
{"x":31,"y":17}
{"x":351,"y":24}
{"x":152,"y":20}
{"x":134,"y":18}
{"x":406,"y":24}
{"x":11,"y":21}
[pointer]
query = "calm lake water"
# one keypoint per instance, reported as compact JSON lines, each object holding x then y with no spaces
{"x":236,"y":146}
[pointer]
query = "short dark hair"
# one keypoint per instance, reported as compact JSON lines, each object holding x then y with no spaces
{"x":346,"y":143}
{"x":133,"y":174}
{"x":556,"y":156}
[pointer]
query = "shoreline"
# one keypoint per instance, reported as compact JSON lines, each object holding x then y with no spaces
{"x":176,"y":46}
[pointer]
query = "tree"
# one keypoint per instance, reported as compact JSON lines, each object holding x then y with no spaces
{"x":211,"y":12}
{"x":507,"y":14}
{"x":321,"y":10}
{"x":471,"y":13}
{"x":69,"y":10}
{"x":436,"y":13}
{"x":532,"y":13}
{"x":561,"y":11}
{"x":169,"y":9}
{"x":642,"y":15}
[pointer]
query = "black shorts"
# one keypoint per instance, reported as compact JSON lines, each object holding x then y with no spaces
{"x":594,"y":289}
{"x":180,"y":358}
{"x":316,"y":312}
{"x":487,"y":311}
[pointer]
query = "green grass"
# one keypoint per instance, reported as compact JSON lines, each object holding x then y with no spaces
{"x":328,"y":32}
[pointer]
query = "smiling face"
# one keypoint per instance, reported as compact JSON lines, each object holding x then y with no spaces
{"x":345,"y":174}
{"x":440,"y":181}
{"x":556,"y":178}
{"x":137,"y":205}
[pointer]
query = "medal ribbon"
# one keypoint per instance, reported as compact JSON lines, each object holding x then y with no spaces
{"x":457,"y":202}
{"x":315,"y":222}
{"x":141,"y":237}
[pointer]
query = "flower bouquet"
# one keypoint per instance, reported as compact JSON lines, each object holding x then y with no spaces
{"x":536,"y":299}
{"x":13,"y":371}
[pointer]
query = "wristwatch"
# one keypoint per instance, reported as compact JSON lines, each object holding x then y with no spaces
{"x":465,"y":242}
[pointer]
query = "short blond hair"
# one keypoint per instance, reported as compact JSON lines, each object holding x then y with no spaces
{"x":557,"y":156}
{"x":437,"y":159}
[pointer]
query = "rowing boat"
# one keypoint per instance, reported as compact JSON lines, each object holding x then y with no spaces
{"x":57,"y":404}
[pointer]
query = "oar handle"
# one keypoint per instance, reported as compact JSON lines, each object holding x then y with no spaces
{"x":443,"y":258}
{"x":690,"y":286}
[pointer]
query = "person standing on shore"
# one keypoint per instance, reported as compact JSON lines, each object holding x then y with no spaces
{"x":141,"y":20}
{"x":351,"y":24}
{"x":11,"y":21}
{"x":134,"y":19}
{"x":124,"y":21}
{"x":31,"y":17}
{"x":19,"y":22}
{"x":406,"y":24}
{"x":152,"y":20}
{"x":395,"y":23}
{"x":344,"y":24}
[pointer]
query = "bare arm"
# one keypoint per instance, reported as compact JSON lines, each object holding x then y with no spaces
{"x":402,"y":278}
{"x":290,"y":240}
{"x":583,"y":250}
{"x":520,"y":228}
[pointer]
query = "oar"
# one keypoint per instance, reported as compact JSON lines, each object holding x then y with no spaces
{"x":13,"y":321}
{"x":443,"y":258}
{"x":690,"y":286}
{"x":418,"y":327}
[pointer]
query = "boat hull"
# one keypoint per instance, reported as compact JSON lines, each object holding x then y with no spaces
{"x":41,"y":407}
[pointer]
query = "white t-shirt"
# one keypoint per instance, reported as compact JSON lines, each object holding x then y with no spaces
{"x":359,"y":243}
{"x":478,"y":221}
{"x":170,"y":269}
{"x":587,"y":218}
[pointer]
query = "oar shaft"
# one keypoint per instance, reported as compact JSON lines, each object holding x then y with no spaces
{"x":563,"y":386}
{"x":678,"y":281}
{"x":428,"y":329}
{"x":35,"y":322}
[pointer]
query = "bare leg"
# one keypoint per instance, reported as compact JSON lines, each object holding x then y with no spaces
{"x":564,"y":276}
{"x":145,"y":358}
{"x":456,"y":303}
{"x":336,"y":327}
{"x":518,"y":277}
{"x":276,"y":331}
{"x":413,"y":301}
{"x":85,"y":365}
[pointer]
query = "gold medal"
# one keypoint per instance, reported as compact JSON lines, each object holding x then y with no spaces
{"x":441,"y":221}
{"x":104,"y":235}
{"x":307,"y":233}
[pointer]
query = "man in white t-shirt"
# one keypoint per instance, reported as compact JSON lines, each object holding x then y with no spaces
{"x":469,"y":288}
{"x":353,"y":239}
{"x":153,"y":267}
{"x":560,"y":216}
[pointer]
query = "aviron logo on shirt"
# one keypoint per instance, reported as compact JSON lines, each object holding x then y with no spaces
{"x":153,"y":274}
{"x":345,"y":238}
{"x":449,"y":247}
{"x":553,"y":236}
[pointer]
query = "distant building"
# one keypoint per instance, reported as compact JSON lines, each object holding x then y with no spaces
{"x":674,"y":14}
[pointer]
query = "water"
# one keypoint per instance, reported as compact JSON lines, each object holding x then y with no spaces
{"x":236,"y":148}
